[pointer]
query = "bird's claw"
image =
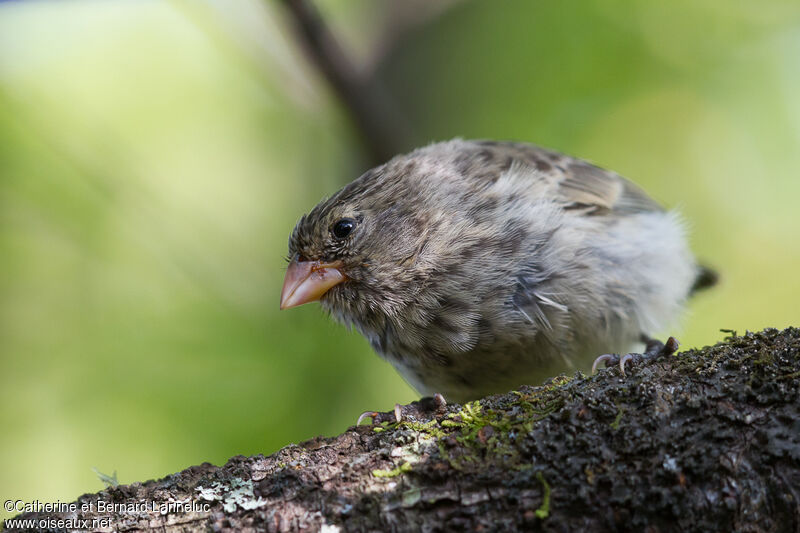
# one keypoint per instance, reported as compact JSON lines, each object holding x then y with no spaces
{"x":439,"y":400}
{"x":624,"y":360}
{"x":419,"y":409}
{"x":366,"y":414}
{"x":653,"y":349}
{"x":606,"y":357}
{"x":671,"y":346}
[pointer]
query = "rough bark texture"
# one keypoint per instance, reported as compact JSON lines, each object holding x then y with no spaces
{"x":706,"y":440}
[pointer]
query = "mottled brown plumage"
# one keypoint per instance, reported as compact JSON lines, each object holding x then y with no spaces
{"x":477,"y":266}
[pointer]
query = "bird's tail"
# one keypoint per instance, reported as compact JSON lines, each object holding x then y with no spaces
{"x":706,"y":278}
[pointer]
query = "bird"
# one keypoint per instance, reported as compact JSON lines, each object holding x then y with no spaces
{"x":477,"y":266}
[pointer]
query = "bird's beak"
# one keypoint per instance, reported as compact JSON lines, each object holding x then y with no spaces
{"x":307,"y":281}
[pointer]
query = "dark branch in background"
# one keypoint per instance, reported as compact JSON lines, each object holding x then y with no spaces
{"x":399,"y":19}
{"x":381,"y":127}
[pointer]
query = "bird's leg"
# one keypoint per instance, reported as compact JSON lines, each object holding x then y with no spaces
{"x":421,"y":409}
{"x":656,"y":348}
{"x":653,"y":349}
{"x":652,"y":346}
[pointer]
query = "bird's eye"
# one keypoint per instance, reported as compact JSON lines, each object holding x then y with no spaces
{"x":343,"y":227}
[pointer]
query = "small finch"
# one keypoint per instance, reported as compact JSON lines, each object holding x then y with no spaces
{"x":475,"y":267}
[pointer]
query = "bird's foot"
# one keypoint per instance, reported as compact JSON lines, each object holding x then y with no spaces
{"x":420,"y":409}
{"x":653,"y":349}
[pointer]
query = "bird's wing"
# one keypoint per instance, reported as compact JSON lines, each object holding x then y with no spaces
{"x":581,"y":186}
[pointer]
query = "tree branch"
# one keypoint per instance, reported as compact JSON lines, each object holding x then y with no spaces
{"x":707,"y":440}
{"x":381,"y":127}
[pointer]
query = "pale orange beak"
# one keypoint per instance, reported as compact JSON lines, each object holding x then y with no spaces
{"x":307,"y":281}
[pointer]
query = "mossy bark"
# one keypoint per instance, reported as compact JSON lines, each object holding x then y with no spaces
{"x":706,"y":440}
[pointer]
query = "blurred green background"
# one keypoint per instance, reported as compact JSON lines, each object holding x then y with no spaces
{"x":154,"y":157}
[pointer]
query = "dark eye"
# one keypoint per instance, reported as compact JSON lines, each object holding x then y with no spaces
{"x":343,"y":227}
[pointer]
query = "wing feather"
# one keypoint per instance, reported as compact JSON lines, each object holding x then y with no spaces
{"x":580,"y":185}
